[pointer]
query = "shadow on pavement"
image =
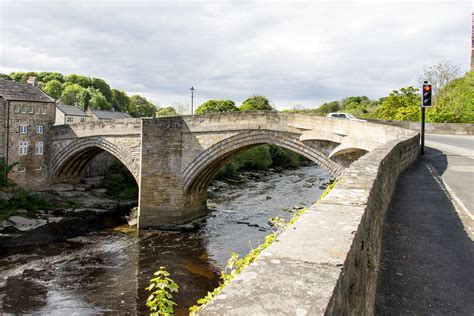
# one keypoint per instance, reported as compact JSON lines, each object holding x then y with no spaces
{"x":427,"y":258}
{"x":437,"y":159}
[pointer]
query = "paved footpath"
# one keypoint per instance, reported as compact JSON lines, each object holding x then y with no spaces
{"x":427,"y":265}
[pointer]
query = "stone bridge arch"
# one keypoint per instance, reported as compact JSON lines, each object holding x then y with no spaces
{"x":69,"y":162}
{"x":197,"y":175}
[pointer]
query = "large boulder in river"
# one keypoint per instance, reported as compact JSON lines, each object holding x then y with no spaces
{"x":24,"y":224}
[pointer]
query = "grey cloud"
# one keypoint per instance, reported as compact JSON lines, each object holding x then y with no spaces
{"x":302,"y":52}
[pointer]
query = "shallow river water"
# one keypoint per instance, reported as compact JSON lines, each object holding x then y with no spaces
{"x":106,"y":272}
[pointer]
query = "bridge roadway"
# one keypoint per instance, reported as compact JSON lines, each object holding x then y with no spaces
{"x":427,"y":250}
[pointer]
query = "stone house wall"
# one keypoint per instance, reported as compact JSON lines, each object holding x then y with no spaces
{"x":30,"y":170}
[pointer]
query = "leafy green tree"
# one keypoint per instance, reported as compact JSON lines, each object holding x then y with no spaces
{"x":47,"y":76}
{"x":141,"y":107}
{"x":120,"y":100}
{"x":83,"y":81}
{"x":103,"y":87}
{"x":256,"y":103}
{"x":53,"y":88}
{"x":455,"y":101}
{"x":167,"y":111}
{"x":328,"y":107}
{"x":29,"y":74}
{"x":17,"y":76}
{"x":212,"y":106}
{"x":5,"y":77}
{"x":71,"y":94}
{"x":400,"y":105}
{"x":93,"y":99}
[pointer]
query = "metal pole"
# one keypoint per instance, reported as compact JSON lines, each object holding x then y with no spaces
{"x":192,"y":101}
{"x":422,"y":130}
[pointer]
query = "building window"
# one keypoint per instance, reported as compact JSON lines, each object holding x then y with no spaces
{"x":43,"y":110}
{"x":23,"y":109}
{"x":21,"y":169}
{"x":39,"y":148}
{"x":23,"y":148}
{"x":17,"y":108}
{"x":31,"y":109}
{"x":83,"y":119}
{"x":69,"y":119}
{"x":38,"y":109}
{"x":23,"y":129}
{"x":39,"y":168}
{"x":39,"y":129}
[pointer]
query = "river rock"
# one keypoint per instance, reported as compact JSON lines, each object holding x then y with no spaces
{"x":80,"y":187}
{"x":307,"y":185}
{"x":70,"y":194}
{"x":21,"y":211}
{"x":211,"y":206}
{"x":99,"y":192}
{"x":54,"y":219}
{"x":268,"y":197}
{"x":62,"y":187}
{"x":25,"y":224}
{"x":5,"y":224}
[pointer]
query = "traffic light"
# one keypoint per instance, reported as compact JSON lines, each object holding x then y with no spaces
{"x":426,"y":95}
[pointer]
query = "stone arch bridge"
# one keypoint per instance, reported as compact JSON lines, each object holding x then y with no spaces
{"x":174,"y":159}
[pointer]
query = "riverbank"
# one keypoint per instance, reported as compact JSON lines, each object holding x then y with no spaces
{"x":62,"y":213}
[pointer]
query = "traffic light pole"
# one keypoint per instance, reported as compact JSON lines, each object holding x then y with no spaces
{"x":422,"y":136}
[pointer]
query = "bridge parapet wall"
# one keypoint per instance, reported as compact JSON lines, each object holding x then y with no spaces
{"x":327,"y":263}
{"x":94,"y":128}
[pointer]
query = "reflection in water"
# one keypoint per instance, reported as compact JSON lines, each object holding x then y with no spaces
{"x":107,"y":271}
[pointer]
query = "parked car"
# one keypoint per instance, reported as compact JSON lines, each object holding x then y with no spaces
{"x":346,"y":116}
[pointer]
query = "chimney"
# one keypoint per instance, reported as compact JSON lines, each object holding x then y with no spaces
{"x":31,"y":81}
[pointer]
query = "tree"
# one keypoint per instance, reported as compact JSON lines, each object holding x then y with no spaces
{"x":256,"y":103}
{"x":83,"y":81}
{"x":403,"y":105}
{"x":455,"y":101}
{"x":103,"y":87}
{"x":141,"y":107}
{"x":212,"y":106}
{"x":5,"y":77}
{"x":93,"y":99}
{"x":53,"y":88}
{"x":120,"y":100}
{"x":47,"y":76}
{"x":71,"y":94}
{"x":17,"y":75}
{"x":440,"y":74}
{"x":167,"y":111}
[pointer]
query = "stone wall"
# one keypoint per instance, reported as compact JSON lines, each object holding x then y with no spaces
{"x":432,"y":128}
{"x":327,"y":263}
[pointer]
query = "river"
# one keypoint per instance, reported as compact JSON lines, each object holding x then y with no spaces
{"x":105,"y":272}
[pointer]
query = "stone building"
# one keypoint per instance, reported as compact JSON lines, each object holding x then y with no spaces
{"x":68,"y":114}
{"x":27,"y":115}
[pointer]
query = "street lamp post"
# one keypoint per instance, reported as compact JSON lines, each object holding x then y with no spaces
{"x":192,"y":99}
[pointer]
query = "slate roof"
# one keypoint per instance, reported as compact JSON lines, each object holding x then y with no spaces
{"x":12,"y":90}
{"x":71,"y":110}
{"x":110,"y":115}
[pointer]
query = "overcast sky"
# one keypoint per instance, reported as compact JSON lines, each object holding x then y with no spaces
{"x":293,"y":52}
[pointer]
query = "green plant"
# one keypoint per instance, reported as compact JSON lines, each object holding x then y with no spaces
{"x":160,"y":300}
{"x":4,"y":171}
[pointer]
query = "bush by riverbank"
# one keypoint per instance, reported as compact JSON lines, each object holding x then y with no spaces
{"x":261,"y":157}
